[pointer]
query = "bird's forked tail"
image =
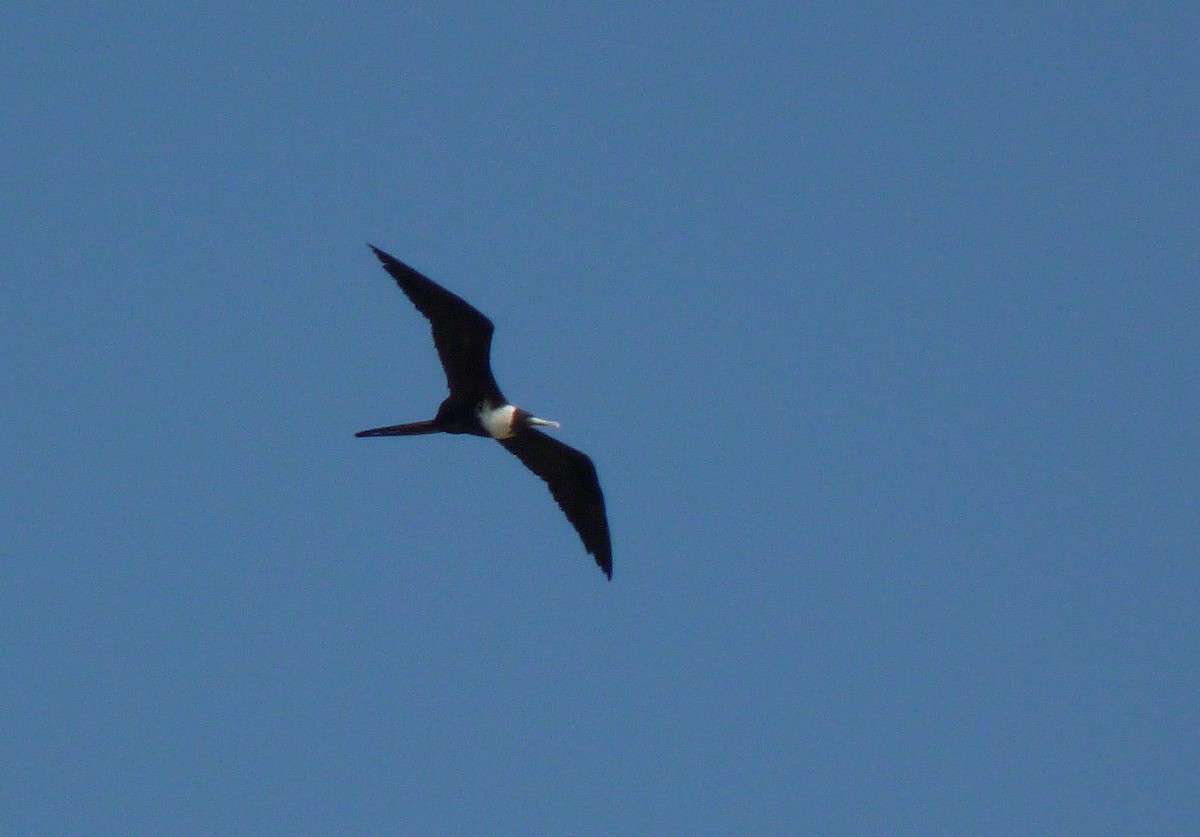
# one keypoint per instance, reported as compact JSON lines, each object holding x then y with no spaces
{"x":415,"y":428}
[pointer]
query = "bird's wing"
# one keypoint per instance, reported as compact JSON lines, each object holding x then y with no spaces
{"x":574,"y":484}
{"x":462,"y":335}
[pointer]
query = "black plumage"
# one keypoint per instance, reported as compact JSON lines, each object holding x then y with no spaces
{"x":463,"y":338}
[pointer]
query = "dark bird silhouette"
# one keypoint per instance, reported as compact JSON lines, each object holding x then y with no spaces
{"x":463,"y":337}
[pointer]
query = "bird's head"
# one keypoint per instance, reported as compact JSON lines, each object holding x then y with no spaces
{"x":506,"y":421}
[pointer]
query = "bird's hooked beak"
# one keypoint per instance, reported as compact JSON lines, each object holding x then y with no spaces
{"x":541,"y":422}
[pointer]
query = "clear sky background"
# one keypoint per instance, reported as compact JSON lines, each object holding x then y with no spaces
{"x":881,"y":326}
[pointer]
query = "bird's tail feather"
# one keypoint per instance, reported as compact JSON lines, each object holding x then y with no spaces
{"x":415,"y":428}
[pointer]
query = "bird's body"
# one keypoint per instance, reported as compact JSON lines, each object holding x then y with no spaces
{"x":463,"y":338}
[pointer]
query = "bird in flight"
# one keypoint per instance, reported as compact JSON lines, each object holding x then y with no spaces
{"x":463,"y":338}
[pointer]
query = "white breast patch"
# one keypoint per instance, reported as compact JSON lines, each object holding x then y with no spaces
{"x":499,"y":422}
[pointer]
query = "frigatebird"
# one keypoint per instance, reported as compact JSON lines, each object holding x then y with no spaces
{"x":463,"y":338}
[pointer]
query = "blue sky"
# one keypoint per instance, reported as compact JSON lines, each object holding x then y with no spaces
{"x":880,"y":325}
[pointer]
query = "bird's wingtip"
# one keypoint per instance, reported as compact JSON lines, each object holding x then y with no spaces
{"x":386,"y":259}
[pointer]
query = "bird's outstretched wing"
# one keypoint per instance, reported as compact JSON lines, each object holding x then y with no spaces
{"x":462,"y":335}
{"x":574,"y":484}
